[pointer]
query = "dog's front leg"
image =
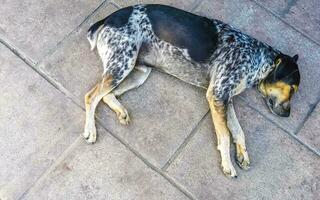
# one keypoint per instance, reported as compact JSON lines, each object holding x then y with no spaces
{"x":218,"y":112}
{"x":238,"y":137}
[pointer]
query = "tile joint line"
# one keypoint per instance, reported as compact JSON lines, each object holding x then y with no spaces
{"x":195,"y":5}
{"x":17,"y":52}
{"x":284,"y":130}
{"x":52,"y":167}
{"x":284,"y":21}
{"x":305,"y":119}
{"x":72,"y":31}
{"x":115,"y":4}
{"x":146,"y":162}
{"x":184,"y":143}
{"x":31,"y":64}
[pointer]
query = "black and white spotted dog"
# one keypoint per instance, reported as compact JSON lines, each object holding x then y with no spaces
{"x":203,"y":52}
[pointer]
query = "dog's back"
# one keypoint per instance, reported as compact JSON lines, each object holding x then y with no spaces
{"x":172,"y":40}
{"x":182,"y":44}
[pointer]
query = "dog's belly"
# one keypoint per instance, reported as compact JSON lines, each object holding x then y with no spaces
{"x":174,"y":61}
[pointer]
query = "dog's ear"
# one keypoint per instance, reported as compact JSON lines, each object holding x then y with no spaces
{"x":295,"y":58}
{"x":278,"y":62}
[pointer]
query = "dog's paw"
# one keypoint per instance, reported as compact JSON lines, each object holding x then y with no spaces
{"x":242,"y":159}
{"x":229,"y":170}
{"x":90,"y":135}
{"x":124,"y":117}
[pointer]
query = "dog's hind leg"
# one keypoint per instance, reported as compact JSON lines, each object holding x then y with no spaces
{"x":117,"y":68}
{"x":238,"y":137}
{"x":218,"y":112}
{"x":136,"y":78}
{"x":92,"y":99}
{"x":117,"y":107}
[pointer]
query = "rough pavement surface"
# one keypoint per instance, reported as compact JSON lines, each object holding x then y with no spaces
{"x":169,"y":149}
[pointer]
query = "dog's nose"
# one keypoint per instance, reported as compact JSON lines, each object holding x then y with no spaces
{"x":286,"y":105}
{"x":271,"y":102}
{"x":285,"y":114}
{"x":285,"y":111}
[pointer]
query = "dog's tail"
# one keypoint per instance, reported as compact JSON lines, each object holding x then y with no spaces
{"x":93,"y":32}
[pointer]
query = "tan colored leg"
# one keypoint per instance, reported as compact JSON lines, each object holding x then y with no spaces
{"x":218,"y":112}
{"x":118,"y":108}
{"x":116,"y":69}
{"x":135,"y":79}
{"x":92,"y":99}
{"x":238,"y":137}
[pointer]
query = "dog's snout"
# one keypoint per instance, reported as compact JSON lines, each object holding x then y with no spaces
{"x":283,"y":109}
{"x":286,"y":105}
{"x":271,"y":102}
{"x":285,"y":113}
{"x":280,"y":109}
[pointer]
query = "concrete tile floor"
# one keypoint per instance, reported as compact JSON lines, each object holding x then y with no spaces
{"x":46,"y":68}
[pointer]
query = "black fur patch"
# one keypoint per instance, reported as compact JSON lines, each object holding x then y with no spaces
{"x":94,"y":28}
{"x":119,"y":18}
{"x":185,"y":30}
{"x":287,"y":71}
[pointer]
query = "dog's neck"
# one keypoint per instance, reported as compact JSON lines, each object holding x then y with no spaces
{"x":263,"y":55}
{"x":265,"y":63}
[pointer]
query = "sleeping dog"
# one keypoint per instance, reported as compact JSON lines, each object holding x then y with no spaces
{"x":203,"y":52}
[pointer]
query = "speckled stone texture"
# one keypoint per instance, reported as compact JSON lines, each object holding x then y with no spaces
{"x":36,"y":26}
{"x":310,"y":132}
{"x":106,"y":170}
{"x":280,"y":167}
{"x":169,"y":149}
{"x":37,"y":124}
{"x":303,"y":15}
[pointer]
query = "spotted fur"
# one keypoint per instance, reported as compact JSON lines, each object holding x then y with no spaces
{"x":237,"y":57}
{"x":203,"y":52}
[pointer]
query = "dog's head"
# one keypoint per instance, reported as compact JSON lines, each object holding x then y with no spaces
{"x":280,"y":84}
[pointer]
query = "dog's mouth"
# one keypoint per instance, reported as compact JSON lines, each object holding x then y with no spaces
{"x":260,"y":90}
{"x":278,"y":110}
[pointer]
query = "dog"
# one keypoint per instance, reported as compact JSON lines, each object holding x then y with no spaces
{"x":200,"y":51}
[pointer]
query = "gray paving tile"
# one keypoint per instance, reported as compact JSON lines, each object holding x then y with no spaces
{"x":184,"y":4}
{"x":310,"y":132}
{"x":255,"y":21}
{"x":36,"y":27}
{"x":281,"y":167}
{"x":106,"y":170}
{"x":37,"y":124}
{"x":304,"y":15}
{"x":163,"y":110}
